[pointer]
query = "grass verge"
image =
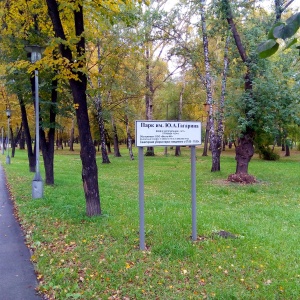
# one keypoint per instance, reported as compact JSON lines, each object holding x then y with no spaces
{"x":77,"y":257}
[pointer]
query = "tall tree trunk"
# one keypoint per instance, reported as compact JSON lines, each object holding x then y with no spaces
{"x":47,"y":145}
{"x":286,"y":143}
{"x":206,"y":138}
{"x":177,"y":149}
{"x":30,"y":152}
{"x":78,"y":87}
{"x":244,"y":148}
{"x":22,"y":139}
{"x":116,"y":140}
{"x":99,"y":110}
{"x":218,"y":138}
{"x":107,"y":141}
{"x":210,"y":130}
{"x":71,"y":143}
{"x":244,"y":152}
{"x":129,"y":138}
{"x":15,"y":140}
{"x":287,"y":150}
{"x":149,"y":95}
{"x":12,"y":143}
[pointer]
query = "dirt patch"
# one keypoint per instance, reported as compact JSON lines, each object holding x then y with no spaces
{"x":242,"y":178}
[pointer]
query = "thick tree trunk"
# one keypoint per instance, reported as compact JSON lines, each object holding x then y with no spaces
{"x":22,"y":139}
{"x":87,"y":151}
{"x":48,"y":155}
{"x":78,"y":87}
{"x":245,"y":148}
{"x":287,"y":150}
{"x":177,"y":151}
{"x":244,"y":152}
{"x":216,"y":153}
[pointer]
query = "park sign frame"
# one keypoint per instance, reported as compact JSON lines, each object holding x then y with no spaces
{"x":166,"y":133}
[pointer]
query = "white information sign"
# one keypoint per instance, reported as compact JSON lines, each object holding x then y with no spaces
{"x":167,"y":133}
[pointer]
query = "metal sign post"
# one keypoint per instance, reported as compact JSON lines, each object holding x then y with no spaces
{"x":193,"y":181}
{"x":141,"y":198}
{"x":166,"y":133}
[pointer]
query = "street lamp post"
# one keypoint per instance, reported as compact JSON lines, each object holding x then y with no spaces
{"x":8,"y":114}
{"x":37,"y":182}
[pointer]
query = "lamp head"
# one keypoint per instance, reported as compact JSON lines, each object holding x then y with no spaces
{"x":35,"y":51}
{"x":8,"y":112}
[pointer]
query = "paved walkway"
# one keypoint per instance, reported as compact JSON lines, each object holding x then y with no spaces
{"x":17,"y":276}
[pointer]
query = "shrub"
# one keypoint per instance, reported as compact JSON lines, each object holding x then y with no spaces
{"x":266,"y":153}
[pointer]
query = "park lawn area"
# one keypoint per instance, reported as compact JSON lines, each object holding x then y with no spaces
{"x":77,"y":257}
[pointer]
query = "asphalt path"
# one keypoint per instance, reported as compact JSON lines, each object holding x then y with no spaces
{"x":17,"y":277}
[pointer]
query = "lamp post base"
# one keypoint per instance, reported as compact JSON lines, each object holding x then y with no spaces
{"x":7,"y":160}
{"x":37,"y":189}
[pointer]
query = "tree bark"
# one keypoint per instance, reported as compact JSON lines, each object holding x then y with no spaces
{"x":78,"y":87}
{"x":71,"y":143}
{"x":217,"y":139}
{"x":206,"y":138}
{"x":12,"y":143}
{"x":47,"y":145}
{"x":149,"y":95}
{"x":107,"y":141}
{"x":245,"y":148}
{"x":28,"y":140}
{"x":129,"y":139}
{"x":210,"y":130}
{"x":287,"y":150}
{"x":243,"y":153}
{"x":22,"y":139}
{"x":116,"y":140}
{"x":180,"y":109}
{"x":99,"y":109}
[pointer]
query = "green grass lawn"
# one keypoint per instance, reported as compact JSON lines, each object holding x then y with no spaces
{"x":77,"y":257}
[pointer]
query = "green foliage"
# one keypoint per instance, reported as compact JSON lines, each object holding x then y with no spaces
{"x":287,"y":30}
{"x":267,"y":48}
{"x":283,"y":31}
{"x":267,"y":153}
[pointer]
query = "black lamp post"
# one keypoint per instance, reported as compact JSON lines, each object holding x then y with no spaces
{"x":8,"y":114}
{"x":37,"y":183}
